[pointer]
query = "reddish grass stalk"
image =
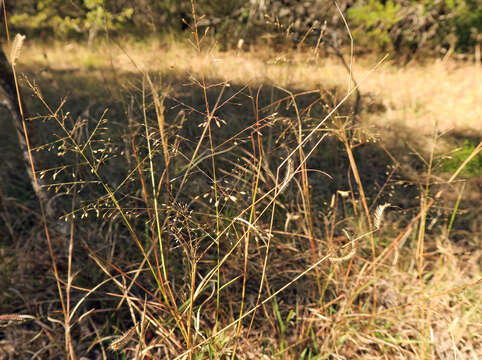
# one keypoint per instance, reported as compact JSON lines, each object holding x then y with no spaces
{"x":42,"y":197}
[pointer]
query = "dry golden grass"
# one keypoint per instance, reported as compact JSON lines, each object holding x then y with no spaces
{"x":444,"y":94}
{"x":401,"y":292}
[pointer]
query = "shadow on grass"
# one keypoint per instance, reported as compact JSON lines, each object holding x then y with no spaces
{"x":91,"y":94}
{"x":247,"y":121}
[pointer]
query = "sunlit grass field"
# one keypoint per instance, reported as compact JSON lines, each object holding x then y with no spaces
{"x":420,"y":94}
{"x":230,"y":205}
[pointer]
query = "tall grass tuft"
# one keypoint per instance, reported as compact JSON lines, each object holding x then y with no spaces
{"x":211,"y":219}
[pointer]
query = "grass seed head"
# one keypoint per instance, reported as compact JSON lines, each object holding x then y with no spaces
{"x":16,"y":47}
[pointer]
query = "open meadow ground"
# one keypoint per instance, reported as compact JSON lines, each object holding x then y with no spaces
{"x":242,"y":205}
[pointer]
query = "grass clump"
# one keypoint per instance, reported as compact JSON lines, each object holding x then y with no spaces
{"x":216,"y":215}
{"x":459,"y":155}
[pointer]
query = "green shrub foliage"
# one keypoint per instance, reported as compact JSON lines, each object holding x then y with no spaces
{"x":410,"y":26}
{"x":399,"y":26}
{"x":69,"y":18}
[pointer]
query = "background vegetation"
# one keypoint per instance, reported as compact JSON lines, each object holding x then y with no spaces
{"x":404,"y":27}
